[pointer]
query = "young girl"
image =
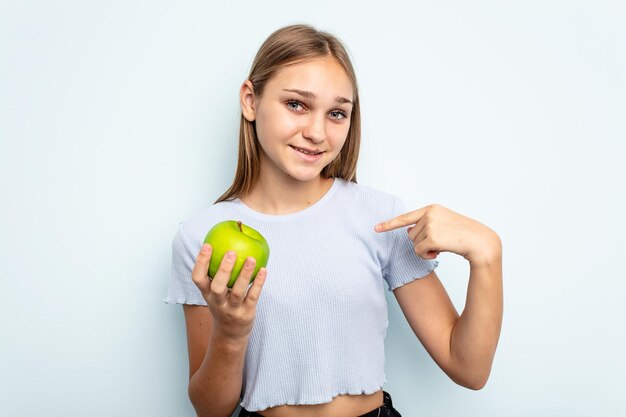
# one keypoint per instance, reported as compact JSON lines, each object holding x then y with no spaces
{"x":306,"y":338}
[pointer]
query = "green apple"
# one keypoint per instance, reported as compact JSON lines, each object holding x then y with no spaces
{"x":244,"y":240}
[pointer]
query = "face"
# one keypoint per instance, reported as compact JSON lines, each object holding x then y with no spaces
{"x":302,"y":118}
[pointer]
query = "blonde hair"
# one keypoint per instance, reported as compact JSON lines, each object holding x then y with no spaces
{"x":289,"y":45}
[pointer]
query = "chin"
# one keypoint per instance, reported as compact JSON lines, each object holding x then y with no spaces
{"x":309,"y":175}
{"x":305,"y":178}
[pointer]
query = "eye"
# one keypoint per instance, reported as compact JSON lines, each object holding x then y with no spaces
{"x":294,"y":105}
{"x":338,"y":114}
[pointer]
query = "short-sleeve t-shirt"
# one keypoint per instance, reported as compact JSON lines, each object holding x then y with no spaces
{"x":321,"y":319}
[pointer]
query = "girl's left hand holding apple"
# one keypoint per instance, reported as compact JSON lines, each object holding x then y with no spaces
{"x":438,"y":229}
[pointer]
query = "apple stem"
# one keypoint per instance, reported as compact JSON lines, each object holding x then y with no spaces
{"x":240,"y":228}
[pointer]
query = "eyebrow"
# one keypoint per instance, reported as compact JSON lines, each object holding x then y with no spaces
{"x":310,"y":95}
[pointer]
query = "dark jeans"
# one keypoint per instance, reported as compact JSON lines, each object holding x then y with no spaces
{"x":385,"y":410}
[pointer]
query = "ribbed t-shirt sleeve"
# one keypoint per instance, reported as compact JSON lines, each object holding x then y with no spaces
{"x":181,"y":288}
{"x":403,"y":265}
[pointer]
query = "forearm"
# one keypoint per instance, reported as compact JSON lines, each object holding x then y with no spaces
{"x":215,"y":388}
{"x":475,"y":335}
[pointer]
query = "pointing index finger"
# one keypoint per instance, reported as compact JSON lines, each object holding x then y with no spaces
{"x":402,"y":220}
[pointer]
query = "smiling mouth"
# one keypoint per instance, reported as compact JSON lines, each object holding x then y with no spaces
{"x":305,"y":151}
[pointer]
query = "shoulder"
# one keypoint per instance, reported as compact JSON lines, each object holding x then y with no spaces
{"x":196,"y":226}
{"x":367,"y":198}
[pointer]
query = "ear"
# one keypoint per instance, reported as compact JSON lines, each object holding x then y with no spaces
{"x":247,"y":99}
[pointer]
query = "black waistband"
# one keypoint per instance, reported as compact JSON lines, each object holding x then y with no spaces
{"x":383,"y":411}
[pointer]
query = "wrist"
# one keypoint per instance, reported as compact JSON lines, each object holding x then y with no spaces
{"x":489,"y":253}
{"x":227,"y":340}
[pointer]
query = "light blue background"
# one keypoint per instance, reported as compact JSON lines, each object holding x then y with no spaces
{"x":118,"y":120}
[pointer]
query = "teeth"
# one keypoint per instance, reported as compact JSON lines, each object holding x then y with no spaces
{"x":308,"y":153}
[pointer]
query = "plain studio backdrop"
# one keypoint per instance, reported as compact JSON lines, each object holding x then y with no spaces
{"x":119,"y":119}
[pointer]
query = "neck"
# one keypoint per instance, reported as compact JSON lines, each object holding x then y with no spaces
{"x":285,"y":195}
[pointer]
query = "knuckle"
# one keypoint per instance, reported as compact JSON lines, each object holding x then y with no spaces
{"x":217,"y":290}
{"x":235,"y":318}
{"x":236,"y":296}
{"x":198,"y":279}
{"x":250,"y":264}
{"x":205,"y":250}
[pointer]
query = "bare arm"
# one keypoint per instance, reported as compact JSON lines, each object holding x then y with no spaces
{"x":476,"y":333}
{"x":215,"y":366}
{"x":217,"y":336}
{"x":464,"y":347}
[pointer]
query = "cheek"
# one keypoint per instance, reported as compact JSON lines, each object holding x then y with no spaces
{"x":339,"y":134}
{"x":277,"y":126}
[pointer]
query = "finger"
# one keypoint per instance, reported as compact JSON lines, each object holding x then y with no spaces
{"x":416,"y":230}
{"x":421,"y":247}
{"x":222,"y":276}
{"x":402,"y":220}
{"x":255,"y":289}
{"x":238,"y":292}
{"x":425,"y":249}
{"x":200,"y":272}
{"x":430,"y":249}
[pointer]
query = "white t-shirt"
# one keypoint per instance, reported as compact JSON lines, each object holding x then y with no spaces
{"x":321,"y":319}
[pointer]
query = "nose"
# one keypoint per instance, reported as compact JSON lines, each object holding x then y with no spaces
{"x":315,"y":130}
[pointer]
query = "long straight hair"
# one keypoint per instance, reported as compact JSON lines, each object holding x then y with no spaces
{"x":286,"y":46}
